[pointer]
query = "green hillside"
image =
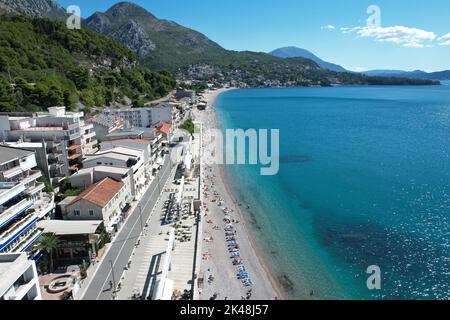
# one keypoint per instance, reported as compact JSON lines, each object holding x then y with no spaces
{"x":43,"y":64}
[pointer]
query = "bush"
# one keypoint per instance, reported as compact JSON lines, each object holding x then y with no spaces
{"x":189,"y":126}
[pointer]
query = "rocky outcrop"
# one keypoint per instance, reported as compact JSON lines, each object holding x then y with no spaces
{"x":34,"y":8}
{"x":134,"y":37}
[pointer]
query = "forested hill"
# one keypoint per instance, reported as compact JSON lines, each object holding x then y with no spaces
{"x":42,"y":64}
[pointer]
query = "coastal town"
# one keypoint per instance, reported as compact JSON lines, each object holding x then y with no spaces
{"x":119,"y":205}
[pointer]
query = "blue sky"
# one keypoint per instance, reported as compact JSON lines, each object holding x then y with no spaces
{"x":412,"y":35}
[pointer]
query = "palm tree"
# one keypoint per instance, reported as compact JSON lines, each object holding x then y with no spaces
{"x":47,"y":243}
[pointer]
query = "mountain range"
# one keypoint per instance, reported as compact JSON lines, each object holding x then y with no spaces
{"x":295,"y":52}
{"x":417,"y":74}
{"x":189,"y":55}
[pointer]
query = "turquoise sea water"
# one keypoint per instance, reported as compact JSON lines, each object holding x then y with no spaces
{"x":364,"y":180}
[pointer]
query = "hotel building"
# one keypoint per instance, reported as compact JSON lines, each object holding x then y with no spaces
{"x":67,"y":138}
{"x":22,"y":201}
{"x":18,"y":278}
{"x":143,"y":117}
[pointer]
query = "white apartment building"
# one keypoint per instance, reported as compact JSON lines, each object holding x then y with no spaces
{"x":143,"y":117}
{"x":144,"y":145}
{"x":67,"y":136}
{"x":49,"y":156}
{"x":18,"y":278}
{"x":22,"y":200}
{"x":105,"y":125}
{"x":105,"y":200}
{"x":88,"y":176}
{"x":123,"y":158}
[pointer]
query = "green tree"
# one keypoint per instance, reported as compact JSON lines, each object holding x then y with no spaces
{"x":47,"y":244}
{"x":189,"y":126}
{"x":7,"y":101}
{"x":138,"y":102}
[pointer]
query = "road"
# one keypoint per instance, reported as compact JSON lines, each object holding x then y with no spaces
{"x":164,"y":99}
{"x":120,"y":251}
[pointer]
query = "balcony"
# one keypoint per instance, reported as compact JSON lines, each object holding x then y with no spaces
{"x":12,"y":172}
{"x":36,"y":188}
{"x":44,"y":205}
{"x":88,"y":126}
{"x":17,"y":229}
{"x":13,"y":189}
{"x":92,"y":143}
{"x":74,"y":156}
{"x":73,"y":147}
{"x":89,"y":135}
{"x":74,"y":136}
{"x":9,"y":214}
{"x":32,"y":176}
{"x":28,"y":240}
{"x":72,"y":126}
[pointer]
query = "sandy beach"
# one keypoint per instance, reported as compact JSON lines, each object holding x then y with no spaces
{"x":220,"y":238}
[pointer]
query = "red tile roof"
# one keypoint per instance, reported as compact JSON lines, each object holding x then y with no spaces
{"x":101,"y":192}
{"x":164,"y":127}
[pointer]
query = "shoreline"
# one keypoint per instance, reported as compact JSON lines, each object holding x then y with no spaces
{"x":266,"y":286}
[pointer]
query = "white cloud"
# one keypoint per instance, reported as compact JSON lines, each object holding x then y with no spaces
{"x":445,"y":43}
{"x":328,"y":27}
{"x":445,"y":40}
{"x":405,"y":36}
{"x":350,"y":30}
{"x":446,"y":37}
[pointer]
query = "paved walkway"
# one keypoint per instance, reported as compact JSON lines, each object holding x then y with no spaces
{"x":118,"y":255}
{"x":148,"y":257}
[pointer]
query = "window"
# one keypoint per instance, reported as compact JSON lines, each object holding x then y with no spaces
{"x":91,"y":212}
{"x":76,"y":213}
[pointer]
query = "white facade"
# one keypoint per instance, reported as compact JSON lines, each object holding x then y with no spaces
{"x":18,"y":278}
{"x":104,"y":125}
{"x":22,"y":200}
{"x":143,"y":117}
{"x":99,"y":203}
{"x":123,"y":158}
{"x":49,"y":158}
{"x":56,"y":126}
{"x":144,"y":146}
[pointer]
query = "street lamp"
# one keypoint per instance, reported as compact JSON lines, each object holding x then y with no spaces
{"x":113,"y":278}
{"x":140,"y":218}
{"x":159,"y":187}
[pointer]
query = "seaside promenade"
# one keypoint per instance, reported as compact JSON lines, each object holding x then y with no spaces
{"x":118,"y":255}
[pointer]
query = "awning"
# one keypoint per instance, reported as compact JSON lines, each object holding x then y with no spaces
{"x":64,"y":227}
